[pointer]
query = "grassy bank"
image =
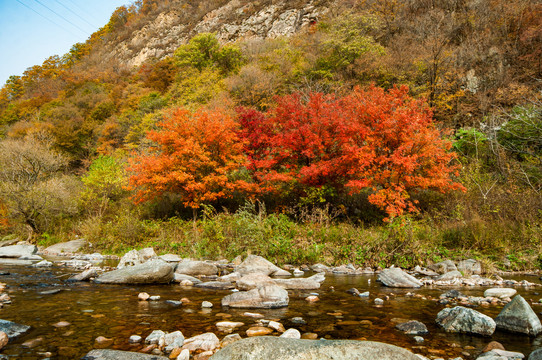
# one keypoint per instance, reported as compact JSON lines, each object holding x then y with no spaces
{"x":405,"y":242}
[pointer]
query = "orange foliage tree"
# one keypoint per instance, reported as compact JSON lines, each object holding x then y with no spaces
{"x":195,"y":156}
{"x":376,"y":140}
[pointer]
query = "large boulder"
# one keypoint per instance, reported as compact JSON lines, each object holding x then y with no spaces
{"x":279,"y":348}
{"x":136,"y":257}
{"x":18,"y":251}
{"x":155,"y":271}
{"x":12,"y":329}
{"x":257,"y":264}
{"x":470,"y":266}
{"x":464,"y":320}
{"x":104,"y":354}
{"x":69,"y":247}
{"x":195,"y":268}
{"x":265,"y":297}
{"x":395,"y":277}
{"x":518,"y":316}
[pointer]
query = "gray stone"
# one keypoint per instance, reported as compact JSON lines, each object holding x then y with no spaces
{"x":299,"y":283}
{"x":450,"y":275}
{"x":136,"y":257}
{"x":205,"y":342}
{"x":536,"y":355}
{"x":215,"y":285}
{"x":69,"y":247}
{"x":43,"y":264}
{"x":469,"y":266}
{"x":320,"y":268}
{"x":412,"y":327}
{"x":84,"y":276}
{"x":253,"y":281}
{"x":171,"y":258}
{"x":265,"y":297}
{"x":257,"y":264}
{"x":291,"y":334}
{"x":151,"y":272}
{"x":154,"y":337}
{"x":500,"y":292}
{"x":464,"y":320}
{"x":395,"y":277}
{"x":17,"y":251}
{"x":443,"y":266}
{"x":104,"y":354}
{"x":277,"y":348}
{"x":180,"y":277}
{"x":195,"y":268}
{"x":497,"y":354}
{"x":173,"y":340}
{"x":518,"y":316}
{"x":12,"y":329}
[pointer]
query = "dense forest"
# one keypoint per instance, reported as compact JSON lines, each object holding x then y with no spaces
{"x":382,"y":132}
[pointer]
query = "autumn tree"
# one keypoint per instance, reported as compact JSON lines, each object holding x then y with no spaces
{"x":370,"y":140}
{"x":195,"y":157}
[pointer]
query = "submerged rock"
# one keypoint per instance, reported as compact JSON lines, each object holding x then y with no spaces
{"x":12,"y":329}
{"x":155,"y":271}
{"x":464,"y":320}
{"x":104,"y":354}
{"x":518,"y":316}
{"x":412,"y":327}
{"x":265,"y":297}
{"x":395,"y":277}
{"x":280,"y":348}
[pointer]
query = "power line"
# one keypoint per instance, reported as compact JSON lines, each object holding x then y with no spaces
{"x":74,"y":13}
{"x":46,"y":18}
{"x":62,"y":17}
{"x":83,"y":10}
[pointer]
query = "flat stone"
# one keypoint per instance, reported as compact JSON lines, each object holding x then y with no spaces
{"x":265,"y":297}
{"x":69,"y":247}
{"x":17,"y":251}
{"x":291,"y":334}
{"x":104,"y":354}
{"x":205,"y":342}
{"x":136,"y":257}
{"x":253,"y":281}
{"x":173,"y":258}
{"x":228,"y":326}
{"x":154,"y":337}
{"x":4,"y":339}
{"x":501,"y":355}
{"x":215,"y":285}
{"x":85,"y":275}
{"x":181,"y":277}
{"x":196,"y":268}
{"x":500,"y":292}
{"x":259,"y":331}
{"x":412,"y":327}
{"x":257,"y":264}
{"x":450,"y":275}
{"x":154,"y":271}
{"x":12,"y":329}
{"x":464,"y":320}
{"x":518,"y":316}
{"x":396,"y":277}
{"x":310,"y":283}
{"x":277,"y":348}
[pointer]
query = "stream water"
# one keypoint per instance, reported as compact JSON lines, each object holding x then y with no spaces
{"x":114,"y":311}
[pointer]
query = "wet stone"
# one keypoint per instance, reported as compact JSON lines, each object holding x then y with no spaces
{"x":412,"y":327}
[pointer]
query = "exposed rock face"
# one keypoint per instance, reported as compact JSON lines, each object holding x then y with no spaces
{"x":18,"y":251}
{"x":518,"y":316}
{"x":195,"y":268}
{"x":12,"y":329}
{"x":265,"y":297}
{"x":278,"y":348}
{"x":234,"y":20}
{"x":104,"y":354}
{"x":155,"y":271}
{"x":396,"y":277}
{"x":257,"y":264}
{"x":463,"y":320}
{"x":69,"y":247}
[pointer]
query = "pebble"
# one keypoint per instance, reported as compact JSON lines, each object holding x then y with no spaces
{"x":206,"y":304}
{"x":291,"y":334}
{"x":298,"y":320}
{"x":61,"y":324}
{"x":309,"y":336}
{"x":259,"y":331}
{"x":276,"y":326}
{"x":419,"y":339}
{"x":103,"y":341}
{"x":143,"y":296}
{"x":154,"y":298}
{"x":134,"y":339}
{"x":253,"y":315}
{"x":3,"y":339}
{"x":184,"y":355}
{"x":365,"y":294}
{"x":312,"y":298}
{"x":379,"y":301}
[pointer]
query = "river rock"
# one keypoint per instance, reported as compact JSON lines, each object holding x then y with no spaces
{"x":299,"y":283}
{"x":450,"y":275}
{"x":395,"y":277}
{"x":43,"y":264}
{"x":173,"y":340}
{"x":259,"y":331}
{"x":291,"y":334}
{"x":196,"y":268}
{"x":136,"y":257}
{"x":4,"y":339}
{"x":155,"y":271}
{"x":84,"y":276}
{"x":228,"y":339}
{"x":518,"y":316}
{"x":69,"y":247}
{"x":277,"y":348}
{"x":443,"y":266}
{"x":228,"y":326}
{"x":154,"y":337}
{"x":205,"y":342}
{"x":412,"y":327}
{"x":215,"y":285}
{"x":470,"y":266}
{"x":104,"y":354}
{"x":500,"y":292}
{"x":464,"y":320}
{"x":265,"y":297}
{"x":501,"y":355}
{"x":12,"y":329}
{"x":181,"y":277}
{"x":257,"y":264}
{"x":172,"y":258}
{"x":252,"y":281}
{"x":536,"y":355}
{"x":320,"y":268}
{"x":18,"y":251}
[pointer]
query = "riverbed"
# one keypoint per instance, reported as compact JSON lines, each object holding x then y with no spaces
{"x":113,"y":311}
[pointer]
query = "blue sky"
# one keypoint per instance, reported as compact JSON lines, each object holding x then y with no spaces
{"x":33,"y":30}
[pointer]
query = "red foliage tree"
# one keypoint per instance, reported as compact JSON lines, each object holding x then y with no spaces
{"x":384,"y":142}
{"x":194,"y":156}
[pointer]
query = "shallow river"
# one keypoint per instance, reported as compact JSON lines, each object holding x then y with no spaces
{"x":114,"y":311}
